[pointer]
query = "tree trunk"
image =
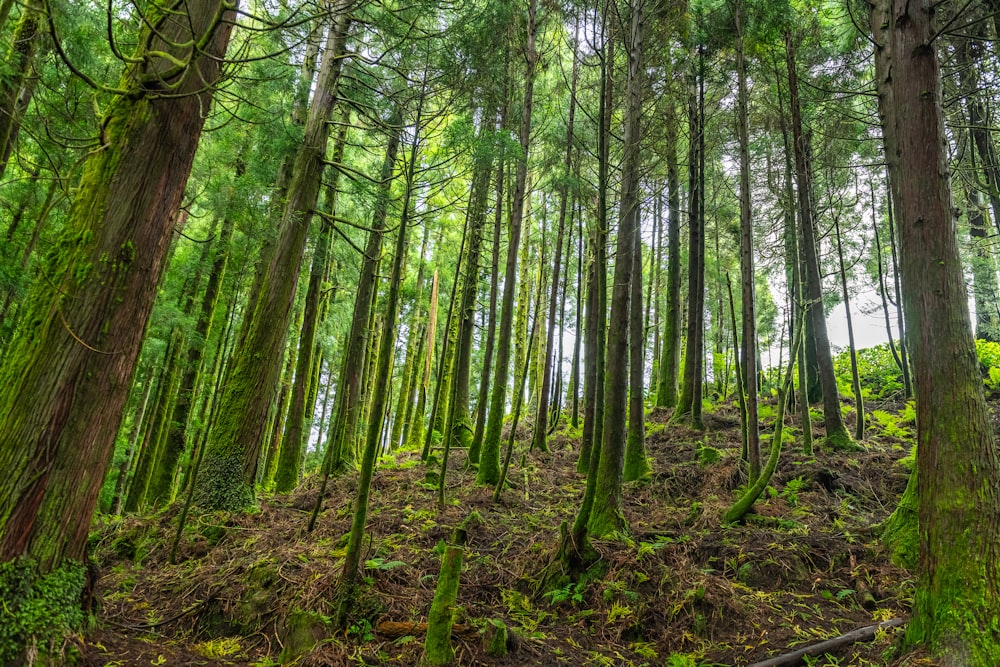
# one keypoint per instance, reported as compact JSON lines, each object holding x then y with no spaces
{"x":16,"y":89}
{"x":689,"y":403}
{"x":462,"y":428}
{"x":747,"y":275}
{"x":837,"y":436}
{"x":606,"y":515}
{"x":290,"y":457}
{"x":229,"y":466}
{"x":670,"y":357}
{"x":176,"y":437}
{"x":66,"y":377}
{"x":380,"y":392}
{"x":957,"y":592}
{"x":489,"y":462}
{"x":594,"y":364}
{"x":476,"y":446}
{"x":636,"y":464}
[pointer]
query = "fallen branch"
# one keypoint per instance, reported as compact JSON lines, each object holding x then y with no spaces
{"x":397,"y":629}
{"x":853,"y":637}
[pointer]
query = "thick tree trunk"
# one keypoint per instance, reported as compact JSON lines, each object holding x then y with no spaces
{"x":957,"y":595}
{"x":229,"y":466}
{"x":66,"y":377}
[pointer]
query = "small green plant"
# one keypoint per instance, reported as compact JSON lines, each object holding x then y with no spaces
{"x":890,"y":424}
{"x":791,"y":491}
{"x":362,"y":630}
{"x":383,"y":564}
{"x":570,"y":592}
{"x":218,"y":648}
{"x":681,"y":660}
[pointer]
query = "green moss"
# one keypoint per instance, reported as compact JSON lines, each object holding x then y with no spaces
{"x":495,"y":638}
{"x":709,"y":455}
{"x":221,"y":485}
{"x":841,"y":441}
{"x":37,"y":611}
{"x":899,"y":532}
{"x":302,"y":631}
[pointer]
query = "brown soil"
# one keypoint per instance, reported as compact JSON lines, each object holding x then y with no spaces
{"x":680,"y":590}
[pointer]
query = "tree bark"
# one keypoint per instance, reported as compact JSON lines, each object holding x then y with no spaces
{"x":606,"y":514}
{"x":66,"y":377}
{"x":837,"y":436}
{"x":747,"y":276}
{"x":957,"y":595}
{"x":229,"y":466}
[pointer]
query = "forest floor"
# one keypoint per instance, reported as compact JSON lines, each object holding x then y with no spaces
{"x":680,"y":590}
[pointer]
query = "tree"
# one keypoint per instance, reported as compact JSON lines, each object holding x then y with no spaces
{"x":837,"y":436}
{"x":233,"y":449}
{"x":956,"y":602}
{"x":66,"y":376}
{"x":489,"y":461}
{"x":606,"y":513}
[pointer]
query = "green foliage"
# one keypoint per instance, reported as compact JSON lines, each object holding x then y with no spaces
{"x":880,"y":376}
{"x":37,"y":611}
{"x":571,"y":592}
{"x":892,"y":425}
{"x":989,"y":364}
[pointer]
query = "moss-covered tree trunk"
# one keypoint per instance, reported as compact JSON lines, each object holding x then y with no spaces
{"x":17,"y":83}
{"x":541,"y":414}
{"x":229,"y":465}
{"x":837,"y":436}
{"x":66,"y":377}
{"x":461,"y":431}
{"x":380,"y":391}
{"x":476,"y":446}
{"x":606,"y":514}
{"x":289,"y":466}
{"x":956,"y":603}
{"x":689,"y":401}
{"x":489,"y":460}
{"x":160,"y":491}
{"x":596,"y":333}
{"x":748,"y":356}
{"x":670,"y":355}
{"x":636,"y":464}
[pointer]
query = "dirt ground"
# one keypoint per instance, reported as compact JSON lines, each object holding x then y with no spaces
{"x":677,"y":590}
